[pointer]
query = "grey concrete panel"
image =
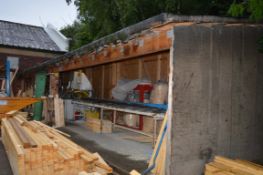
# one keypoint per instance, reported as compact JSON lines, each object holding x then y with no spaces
{"x":217,"y":107}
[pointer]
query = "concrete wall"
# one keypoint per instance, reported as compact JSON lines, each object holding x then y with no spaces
{"x":217,"y":95}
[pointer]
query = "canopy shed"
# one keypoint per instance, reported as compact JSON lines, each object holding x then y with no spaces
{"x":215,"y":75}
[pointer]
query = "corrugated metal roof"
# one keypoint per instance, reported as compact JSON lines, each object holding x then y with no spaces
{"x":25,"y":36}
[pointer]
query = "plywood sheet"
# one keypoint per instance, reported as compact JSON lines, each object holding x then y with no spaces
{"x":97,"y":81}
{"x":164,"y":72}
{"x":109,"y":73}
{"x":150,"y":65}
{"x":8,"y":104}
{"x":129,"y":69}
{"x":88,"y":73}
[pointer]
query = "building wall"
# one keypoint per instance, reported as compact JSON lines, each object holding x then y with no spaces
{"x":25,"y":82}
{"x":24,"y":61}
{"x":217,"y":95}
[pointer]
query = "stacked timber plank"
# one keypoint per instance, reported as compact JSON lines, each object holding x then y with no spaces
{"x":53,"y":111}
{"x":225,"y":166}
{"x":99,"y":126}
{"x":59,"y":111}
{"x":34,"y":148}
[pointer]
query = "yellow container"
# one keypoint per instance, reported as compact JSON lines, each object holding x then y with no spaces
{"x":92,"y":114}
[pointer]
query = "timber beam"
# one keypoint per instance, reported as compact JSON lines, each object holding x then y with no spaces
{"x":148,"y":43}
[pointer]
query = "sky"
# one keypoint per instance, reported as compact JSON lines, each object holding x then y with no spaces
{"x":38,"y":12}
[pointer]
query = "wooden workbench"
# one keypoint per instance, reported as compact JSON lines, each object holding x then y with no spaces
{"x":152,"y":112}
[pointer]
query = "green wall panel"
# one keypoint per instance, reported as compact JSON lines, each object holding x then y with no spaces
{"x":40,"y":83}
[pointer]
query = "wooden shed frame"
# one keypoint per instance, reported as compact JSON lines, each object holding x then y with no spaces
{"x":215,"y":82}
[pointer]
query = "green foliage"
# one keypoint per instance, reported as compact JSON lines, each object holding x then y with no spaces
{"x":78,"y":34}
{"x":245,"y":8}
{"x":236,"y":10}
{"x":255,"y":7}
{"x":70,"y":31}
{"x":97,"y":18}
{"x":249,"y":8}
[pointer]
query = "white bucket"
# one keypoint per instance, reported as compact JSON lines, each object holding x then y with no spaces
{"x":131,"y":120}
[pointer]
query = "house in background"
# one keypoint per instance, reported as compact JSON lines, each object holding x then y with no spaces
{"x":27,"y":45}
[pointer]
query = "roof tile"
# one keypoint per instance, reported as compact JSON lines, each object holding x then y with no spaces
{"x":25,"y":36}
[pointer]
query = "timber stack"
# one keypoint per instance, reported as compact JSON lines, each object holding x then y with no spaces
{"x":226,"y":166}
{"x":35,"y":148}
{"x":53,"y":111}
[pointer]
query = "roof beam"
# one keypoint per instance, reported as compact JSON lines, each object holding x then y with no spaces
{"x":148,"y":43}
{"x":30,"y":53}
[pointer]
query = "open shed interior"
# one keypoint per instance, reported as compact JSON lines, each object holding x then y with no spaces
{"x":105,"y":77}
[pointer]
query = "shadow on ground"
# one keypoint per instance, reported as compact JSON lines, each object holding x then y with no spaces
{"x":5,"y":168}
{"x":120,"y":163}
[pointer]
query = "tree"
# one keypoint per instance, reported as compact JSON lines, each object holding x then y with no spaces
{"x":248,"y":8}
{"x":97,"y":18}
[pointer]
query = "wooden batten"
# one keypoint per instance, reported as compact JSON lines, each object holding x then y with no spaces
{"x":226,"y":166}
{"x":47,"y":152}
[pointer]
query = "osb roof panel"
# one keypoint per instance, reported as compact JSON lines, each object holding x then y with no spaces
{"x":25,"y":36}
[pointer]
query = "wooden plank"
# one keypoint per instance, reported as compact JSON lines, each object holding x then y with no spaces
{"x":96,"y":81}
{"x":237,"y":165}
{"x":158,"y":140}
{"x":20,"y":133}
{"x":13,"y":148}
{"x":102,"y":164}
{"x":3,"y":85}
{"x":152,"y":44}
{"x":109,"y":80}
{"x":53,"y":129}
{"x":14,"y":138}
{"x":150,"y":68}
{"x":97,"y":126}
{"x":129,"y":69}
{"x":13,"y":76}
{"x":30,"y":53}
{"x":16,"y":103}
{"x":85,"y":173}
{"x":158,"y":74}
{"x":102,"y":81}
{"x":59,"y":112}
{"x":140,"y":69}
{"x":134,"y":172}
{"x":54,"y":154}
{"x":223,"y":165}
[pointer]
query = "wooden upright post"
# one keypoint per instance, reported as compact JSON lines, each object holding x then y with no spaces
{"x":53,"y":84}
